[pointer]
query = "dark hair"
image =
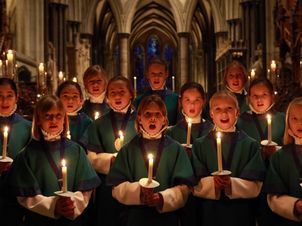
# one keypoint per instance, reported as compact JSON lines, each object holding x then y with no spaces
{"x":156,"y":61}
{"x":45,"y":104}
{"x":123,"y":79}
{"x":65,"y":84}
{"x":11,"y":83}
{"x":192,"y":85}
{"x":261,"y":81}
{"x":94,"y":70}
{"x":154,"y":98}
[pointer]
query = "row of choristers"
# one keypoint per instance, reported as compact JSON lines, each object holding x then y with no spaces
{"x":154,"y":160}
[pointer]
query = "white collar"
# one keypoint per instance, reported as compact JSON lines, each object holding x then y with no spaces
{"x":239,"y":92}
{"x":161,"y":88}
{"x":9,"y":114}
{"x":195,"y":120}
{"x":229,"y":130}
{"x":99,"y":99}
{"x":261,"y":112}
{"x":148,"y":136}
{"x":51,"y":137}
{"x":75,"y":112}
{"x":124,"y":110}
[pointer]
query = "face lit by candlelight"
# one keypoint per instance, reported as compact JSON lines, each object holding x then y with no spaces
{"x":119,"y":95}
{"x":192,"y":102}
{"x":235,"y":79}
{"x":224,"y":112}
{"x":8,"y":99}
{"x":95,"y":85}
{"x":152,"y":119}
{"x":157,"y":76}
{"x":71,"y":98}
{"x":52,"y":121}
{"x":295,"y":120}
{"x":260,"y":97}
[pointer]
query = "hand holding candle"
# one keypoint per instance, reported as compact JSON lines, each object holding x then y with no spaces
{"x":4,"y":146}
{"x":64,"y":176}
{"x":219,"y":152}
{"x":150,"y":168}
{"x":269,"y":128}
{"x":189,"y":132}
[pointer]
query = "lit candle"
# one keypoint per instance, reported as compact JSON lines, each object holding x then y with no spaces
{"x":253,"y":73}
{"x":150,"y":168}
{"x":134,"y":85}
{"x":74,"y":79}
{"x":10,"y":63}
{"x":189,"y":132}
{"x":10,"y":55}
{"x":269,"y":128}
{"x":173,"y":83}
{"x":64,"y":176}
{"x":273,"y":66}
{"x":41,"y":75}
{"x":61,"y":76}
{"x":68,"y":135}
{"x":96,"y":115}
{"x":121,"y":138}
{"x":4,"y":146}
{"x":219,"y":152}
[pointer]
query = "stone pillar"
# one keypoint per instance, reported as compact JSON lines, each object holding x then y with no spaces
{"x":183,"y":58}
{"x":124,"y":54}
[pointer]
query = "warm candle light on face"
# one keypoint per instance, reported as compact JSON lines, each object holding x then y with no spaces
{"x":219,"y":152}
{"x":269,"y":128}
{"x":189,"y":132}
{"x":150,"y":168}
{"x":64,"y":176}
{"x":4,"y":145}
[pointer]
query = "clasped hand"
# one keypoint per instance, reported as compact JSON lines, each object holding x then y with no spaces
{"x":149,"y":198}
{"x":65,"y":207}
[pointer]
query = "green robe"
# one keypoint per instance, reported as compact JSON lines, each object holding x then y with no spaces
{"x":90,"y":108}
{"x":32,"y":174}
{"x":241,"y":98}
{"x":241,"y":155}
{"x":283,"y":177}
{"x":19,"y":133}
{"x":247,"y":123}
{"x":78,"y":125}
{"x":170,"y":99}
{"x":173,"y":168}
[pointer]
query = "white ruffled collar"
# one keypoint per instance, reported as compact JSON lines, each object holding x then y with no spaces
{"x":260,"y":112}
{"x":99,"y":99}
{"x":9,"y":114}
{"x":195,"y":120}
{"x":146,"y":135}
{"x":74,"y":113}
{"x":51,"y":137}
{"x":124,"y":110}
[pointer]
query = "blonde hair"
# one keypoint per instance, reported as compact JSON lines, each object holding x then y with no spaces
{"x":44,"y":105}
{"x":236,"y":64}
{"x":156,"y":99}
{"x":224,"y":94}
{"x":95,"y":70}
{"x":287,"y":139}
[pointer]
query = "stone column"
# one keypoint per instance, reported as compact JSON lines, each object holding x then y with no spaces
{"x":183,"y":58}
{"x":124,"y":54}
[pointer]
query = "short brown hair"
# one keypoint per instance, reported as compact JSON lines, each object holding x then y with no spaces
{"x":43,"y":106}
{"x":123,"y":79}
{"x":154,"y":98}
{"x":157,"y":61}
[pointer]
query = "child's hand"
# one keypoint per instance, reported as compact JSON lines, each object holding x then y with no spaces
{"x":146,"y":195}
{"x":64,"y":207}
{"x":298,"y":208}
{"x":112,"y":160}
{"x":4,"y":166}
{"x":157,"y":201}
{"x":222,"y":182}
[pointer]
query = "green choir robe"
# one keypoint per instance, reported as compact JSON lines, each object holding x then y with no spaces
{"x":241,"y":98}
{"x":170,"y":99}
{"x":171,"y":167}
{"x":32,"y":174}
{"x":19,"y":133}
{"x":78,"y":125}
{"x":90,"y":108}
{"x":248,"y":123}
{"x":241,"y":156}
{"x":284,"y":177}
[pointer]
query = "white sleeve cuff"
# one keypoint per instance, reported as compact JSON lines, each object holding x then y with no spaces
{"x":206,"y":188}
{"x":81,"y":200}
{"x":127,"y":193}
{"x":100,"y":161}
{"x":246,"y":189}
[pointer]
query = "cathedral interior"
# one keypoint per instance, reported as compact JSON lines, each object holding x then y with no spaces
{"x":197,"y":38}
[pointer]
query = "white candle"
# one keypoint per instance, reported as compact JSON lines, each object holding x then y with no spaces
{"x":64,"y":176}
{"x":121,"y":137}
{"x":74,"y":79}
{"x":10,"y":63}
{"x":4,"y":146}
{"x":273,"y":66}
{"x":269,"y":128}
{"x":253,"y":73}
{"x":134,"y":85}
{"x":173,"y":83}
{"x":189,"y":132}
{"x":150,"y":168}
{"x":219,"y":151}
{"x":61,"y":76}
{"x":10,"y":55}
{"x":41,"y":75}
{"x":96,"y":115}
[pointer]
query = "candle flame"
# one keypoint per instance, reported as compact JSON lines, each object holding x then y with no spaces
{"x":63,"y":162}
{"x":96,"y":115}
{"x":74,"y":79}
{"x":6,"y":129}
{"x":189,"y":121}
{"x":269,"y":117}
{"x":121,"y":134}
{"x":218,"y":134}
{"x":150,"y":156}
{"x":134,"y":77}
